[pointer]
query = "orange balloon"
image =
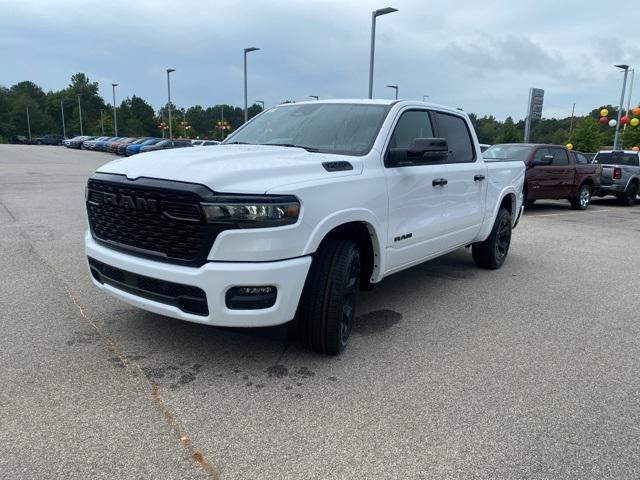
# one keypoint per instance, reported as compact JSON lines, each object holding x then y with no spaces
{"x":636,"y":111}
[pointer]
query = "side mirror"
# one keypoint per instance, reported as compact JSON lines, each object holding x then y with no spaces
{"x":546,"y":160}
{"x":422,"y":151}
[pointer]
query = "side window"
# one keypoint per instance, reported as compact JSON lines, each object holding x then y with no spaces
{"x":560,"y":156}
{"x":454,"y":129}
{"x":581,"y":159}
{"x":541,"y":152}
{"x":412,"y":124}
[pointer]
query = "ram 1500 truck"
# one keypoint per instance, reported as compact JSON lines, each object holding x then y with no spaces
{"x":553,"y":172}
{"x":295,"y":212}
{"x":620,"y":174}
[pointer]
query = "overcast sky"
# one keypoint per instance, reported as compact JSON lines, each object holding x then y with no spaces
{"x":481,"y":55}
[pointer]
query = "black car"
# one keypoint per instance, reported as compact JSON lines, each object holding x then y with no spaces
{"x":50,"y":139}
{"x":19,"y":139}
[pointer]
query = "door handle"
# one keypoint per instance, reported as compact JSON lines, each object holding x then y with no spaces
{"x":479,"y":178}
{"x":439,"y":182}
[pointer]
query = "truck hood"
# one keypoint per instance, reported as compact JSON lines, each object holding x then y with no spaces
{"x":252,"y":169}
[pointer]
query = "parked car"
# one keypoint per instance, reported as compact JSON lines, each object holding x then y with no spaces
{"x":135,"y":147}
{"x":321,"y":199}
{"x":112,"y":146}
{"x":76,"y":142}
{"x":91,"y":144}
{"x":196,"y":142}
{"x":103,"y":145}
{"x":50,"y":139}
{"x":19,"y":140}
{"x":165,"y":144}
{"x":620,"y":174}
{"x":210,"y":143}
{"x":552,"y":172}
{"x":121,"y":147}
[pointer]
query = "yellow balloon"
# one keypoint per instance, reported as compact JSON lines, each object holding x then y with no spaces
{"x":634,"y":122}
{"x":569,"y":146}
{"x":604,"y":112}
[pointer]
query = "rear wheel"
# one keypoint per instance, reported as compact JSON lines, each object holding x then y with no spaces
{"x":628,"y":198}
{"x":327,"y":307}
{"x":582,"y":199}
{"x":493,"y":251}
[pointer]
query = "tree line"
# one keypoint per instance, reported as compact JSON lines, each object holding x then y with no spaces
{"x":136,"y":118}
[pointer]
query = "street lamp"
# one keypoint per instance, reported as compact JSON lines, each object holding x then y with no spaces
{"x":395,"y":87}
{"x":624,"y":85}
{"x":64,"y":131}
{"x":261,"y":102}
{"x":314,"y":96}
{"x":246,"y":50}
{"x":374,"y":15}
{"x":115,"y":117}
{"x":169,"y":70}
{"x":424,"y":97}
{"x":633,"y":72}
{"x":80,"y":111}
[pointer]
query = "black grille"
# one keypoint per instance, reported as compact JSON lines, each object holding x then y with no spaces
{"x":187,"y":298}
{"x":147,"y":217}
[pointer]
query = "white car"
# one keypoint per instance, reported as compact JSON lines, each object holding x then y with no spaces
{"x":297,"y":211}
{"x":204,"y":143}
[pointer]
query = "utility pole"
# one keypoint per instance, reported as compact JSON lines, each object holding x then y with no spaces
{"x":80,"y":110}
{"x":64,"y":131}
{"x":28,"y":124}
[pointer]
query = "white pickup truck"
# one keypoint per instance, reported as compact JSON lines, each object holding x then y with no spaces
{"x":297,"y":211}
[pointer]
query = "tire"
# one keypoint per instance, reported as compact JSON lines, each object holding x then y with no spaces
{"x":38,"y":142}
{"x":582,"y":199}
{"x":529,"y":203}
{"x":628,"y":198}
{"x":327,"y":307}
{"x":492,"y":253}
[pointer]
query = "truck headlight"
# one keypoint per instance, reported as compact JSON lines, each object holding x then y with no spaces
{"x":253,"y":211}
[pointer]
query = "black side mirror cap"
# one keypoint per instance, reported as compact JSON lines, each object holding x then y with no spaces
{"x":422,"y":151}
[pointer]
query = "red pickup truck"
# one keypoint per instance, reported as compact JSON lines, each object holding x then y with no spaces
{"x":552,"y":172}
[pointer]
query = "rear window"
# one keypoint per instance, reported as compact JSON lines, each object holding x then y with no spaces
{"x":507,"y":153}
{"x":616,"y":158}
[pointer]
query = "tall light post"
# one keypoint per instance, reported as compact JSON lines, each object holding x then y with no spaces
{"x":169,"y":70}
{"x":375,"y":14}
{"x":633,"y":72}
{"x":80,"y":112}
{"x":115,"y":117}
{"x":395,"y":87}
{"x":314,"y":96}
{"x":424,"y":98}
{"x":573,"y":111}
{"x":246,"y":50}
{"x":261,"y":102}
{"x":102,"y":120}
{"x":28,"y":124}
{"x":64,"y":130}
{"x":625,"y":68}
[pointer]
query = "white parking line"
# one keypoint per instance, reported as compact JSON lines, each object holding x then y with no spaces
{"x":565,"y":213}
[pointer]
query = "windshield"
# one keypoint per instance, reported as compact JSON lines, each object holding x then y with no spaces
{"x":507,"y":152}
{"x":340,"y":128}
{"x":616,"y":158}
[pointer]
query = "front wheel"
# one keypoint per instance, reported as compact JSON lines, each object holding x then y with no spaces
{"x":582,"y":199}
{"x":327,"y":307}
{"x":493,"y":251}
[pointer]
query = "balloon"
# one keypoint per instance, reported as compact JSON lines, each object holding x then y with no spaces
{"x":635,"y":149}
{"x":624,"y":120}
{"x":604,"y":112}
{"x":634,"y":122}
{"x":612,"y":123}
{"x":603,"y":120}
{"x":636,"y":111}
{"x":569,"y":146}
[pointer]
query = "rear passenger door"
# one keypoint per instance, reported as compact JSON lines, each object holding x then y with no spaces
{"x":563,"y":171}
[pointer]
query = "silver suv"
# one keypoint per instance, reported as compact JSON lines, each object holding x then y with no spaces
{"x":620,"y":174}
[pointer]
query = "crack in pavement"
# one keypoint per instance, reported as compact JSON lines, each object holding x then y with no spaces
{"x":134,"y":372}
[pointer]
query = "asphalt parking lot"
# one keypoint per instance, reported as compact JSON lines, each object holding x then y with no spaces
{"x":531,"y":371}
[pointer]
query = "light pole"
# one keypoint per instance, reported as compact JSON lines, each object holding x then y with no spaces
{"x":424,"y":97}
{"x":395,"y":87}
{"x":80,"y":111}
{"x":624,"y":84}
{"x":28,"y":124}
{"x":573,"y":111}
{"x":314,"y":96}
{"x":115,"y":117}
{"x":102,"y":121}
{"x":246,"y":50}
{"x":261,"y":102}
{"x":64,"y":131}
{"x":169,"y":70}
{"x":633,"y":72}
{"x":375,"y":14}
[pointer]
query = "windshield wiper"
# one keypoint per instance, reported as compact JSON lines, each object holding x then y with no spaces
{"x":292,"y":145}
{"x":239,"y":143}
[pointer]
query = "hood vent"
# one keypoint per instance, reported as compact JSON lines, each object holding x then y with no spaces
{"x":338,"y":166}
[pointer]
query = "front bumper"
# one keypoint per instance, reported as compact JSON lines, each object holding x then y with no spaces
{"x":215,"y":279}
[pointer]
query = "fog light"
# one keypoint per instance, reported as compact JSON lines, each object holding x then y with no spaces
{"x":251,"y":298}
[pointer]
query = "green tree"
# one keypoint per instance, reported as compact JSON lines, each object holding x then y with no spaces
{"x":631,"y":137}
{"x":509,"y":132}
{"x":587,"y":136}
